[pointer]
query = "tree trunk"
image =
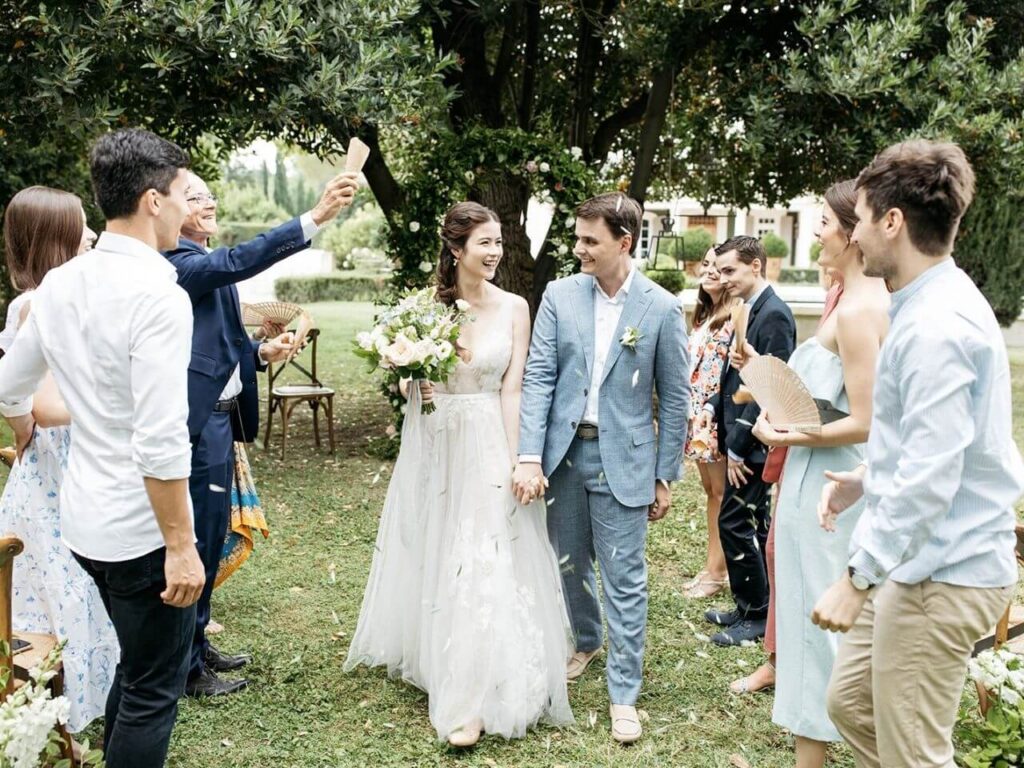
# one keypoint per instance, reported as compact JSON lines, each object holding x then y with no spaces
{"x":508,"y":196}
{"x":650,"y":131}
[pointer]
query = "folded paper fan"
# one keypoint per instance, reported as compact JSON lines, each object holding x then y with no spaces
{"x":302,"y":330}
{"x":280,"y":312}
{"x":740,"y":318}
{"x":782,"y":395}
{"x":357,"y":154}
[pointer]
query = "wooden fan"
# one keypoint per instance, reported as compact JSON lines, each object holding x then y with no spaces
{"x":280,"y":312}
{"x":303,"y":329}
{"x":782,"y":395}
{"x":740,"y":319}
{"x":357,"y":154}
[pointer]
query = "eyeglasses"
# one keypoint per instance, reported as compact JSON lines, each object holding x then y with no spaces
{"x":202,"y":198}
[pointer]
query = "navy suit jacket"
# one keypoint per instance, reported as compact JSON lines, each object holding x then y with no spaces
{"x":219,"y":340}
{"x":771,"y":330}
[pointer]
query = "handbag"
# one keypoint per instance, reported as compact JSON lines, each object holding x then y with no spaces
{"x":774,"y":463}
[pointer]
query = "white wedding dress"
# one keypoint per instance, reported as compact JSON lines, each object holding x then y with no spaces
{"x":464,"y":598}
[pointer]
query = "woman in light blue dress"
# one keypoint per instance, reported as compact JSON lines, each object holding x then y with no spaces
{"x":837,"y":364}
{"x":51,"y":593}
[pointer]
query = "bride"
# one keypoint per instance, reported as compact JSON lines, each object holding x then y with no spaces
{"x":464,"y":598}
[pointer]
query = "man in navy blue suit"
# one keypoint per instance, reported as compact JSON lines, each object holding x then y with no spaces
{"x":222,"y":393}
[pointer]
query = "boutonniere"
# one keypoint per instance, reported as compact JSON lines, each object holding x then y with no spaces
{"x":630,"y":337}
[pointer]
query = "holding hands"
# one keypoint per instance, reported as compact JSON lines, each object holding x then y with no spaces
{"x":528,"y":482}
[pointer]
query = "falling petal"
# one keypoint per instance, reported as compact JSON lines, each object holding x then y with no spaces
{"x":592,"y":719}
{"x":615,"y":551}
{"x":563,"y":559}
{"x":550,"y":502}
{"x":636,"y":376}
{"x":740,"y":556}
{"x":702,"y":655}
{"x":568,"y":463}
{"x":588,"y":589}
{"x":216,"y":488}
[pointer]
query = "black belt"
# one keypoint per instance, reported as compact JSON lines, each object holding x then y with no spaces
{"x":225,"y":406}
{"x":587,"y":432}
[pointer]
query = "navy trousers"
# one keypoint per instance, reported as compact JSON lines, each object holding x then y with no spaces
{"x":150,"y":678}
{"x":210,"y":488}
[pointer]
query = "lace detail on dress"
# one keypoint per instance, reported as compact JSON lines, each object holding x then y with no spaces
{"x":484,"y":372}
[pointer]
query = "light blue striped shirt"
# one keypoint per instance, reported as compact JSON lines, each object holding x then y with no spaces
{"x":943,"y":470}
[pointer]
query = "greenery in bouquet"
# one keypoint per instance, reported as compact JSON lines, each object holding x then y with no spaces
{"x":416,"y":339}
{"x":29,"y":719}
{"x":995,"y":739}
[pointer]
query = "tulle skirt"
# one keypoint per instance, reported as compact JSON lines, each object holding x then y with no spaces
{"x":464,"y":598}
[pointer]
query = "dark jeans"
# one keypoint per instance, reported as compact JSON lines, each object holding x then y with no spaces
{"x":209,"y":486}
{"x":743,"y":526}
{"x":150,"y":677}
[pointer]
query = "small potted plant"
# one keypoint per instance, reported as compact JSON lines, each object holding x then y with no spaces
{"x":777,"y":251}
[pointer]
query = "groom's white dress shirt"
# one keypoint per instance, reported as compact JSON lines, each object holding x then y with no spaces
{"x":116,"y":331}
{"x":607,"y":313}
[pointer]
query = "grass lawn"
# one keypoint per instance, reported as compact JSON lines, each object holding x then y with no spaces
{"x":295,"y":603}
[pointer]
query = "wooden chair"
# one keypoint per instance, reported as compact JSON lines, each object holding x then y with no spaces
{"x":284,"y":397}
{"x":42,"y":644}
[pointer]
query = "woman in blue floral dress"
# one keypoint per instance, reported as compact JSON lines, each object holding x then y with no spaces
{"x":43,"y":228}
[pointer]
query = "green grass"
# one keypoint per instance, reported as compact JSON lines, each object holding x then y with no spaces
{"x":294,"y":606}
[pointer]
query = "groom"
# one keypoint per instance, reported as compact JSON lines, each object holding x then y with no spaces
{"x":603,"y":341}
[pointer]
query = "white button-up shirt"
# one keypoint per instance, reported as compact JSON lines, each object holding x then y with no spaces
{"x":607,"y":313}
{"x":116,"y":331}
{"x":943,"y":470}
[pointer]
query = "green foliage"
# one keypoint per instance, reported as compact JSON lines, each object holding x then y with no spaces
{"x":449,"y":167}
{"x":333,"y":287}
{"x":990,"y":249}
{"x":775,"y":246}
{"x":815,"y":251}
{"x":243,"y":213}
{"x":364,"y":229}
{"x":672,"y":280}
{"x":798,"y":275}
{"x":691,"y":246}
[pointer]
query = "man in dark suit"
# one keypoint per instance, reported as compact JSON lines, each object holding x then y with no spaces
{"x":222,"y":392}
{"x":743,"y":521}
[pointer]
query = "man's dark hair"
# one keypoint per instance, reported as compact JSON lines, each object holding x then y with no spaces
{"x":747,"y":249}
{"x":124,"y":164}
{"x":931,"y":182}
{"x":621,"y":213}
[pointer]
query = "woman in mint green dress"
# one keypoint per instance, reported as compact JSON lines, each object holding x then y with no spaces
{"x":837,"y":364}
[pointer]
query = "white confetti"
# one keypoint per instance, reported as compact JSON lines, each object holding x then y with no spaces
{"x":636,"y":376}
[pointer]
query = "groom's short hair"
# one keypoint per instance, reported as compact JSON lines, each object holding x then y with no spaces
{"x":621,"y":213}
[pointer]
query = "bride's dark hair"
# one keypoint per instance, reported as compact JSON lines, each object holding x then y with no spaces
{"x":459,"y":223}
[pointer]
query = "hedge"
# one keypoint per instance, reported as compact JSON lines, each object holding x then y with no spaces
{"x":331,"y":287}
{"x":672,"y":280}
{"x":806,"y":275}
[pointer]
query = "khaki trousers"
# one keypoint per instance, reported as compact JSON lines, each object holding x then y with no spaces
{"x":900,"y":671}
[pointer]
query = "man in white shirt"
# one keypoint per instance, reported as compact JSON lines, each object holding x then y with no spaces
{"x":932,"y":564}
{"x":115,"y":330}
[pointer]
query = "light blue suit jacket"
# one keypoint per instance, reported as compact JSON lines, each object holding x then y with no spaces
{"x":557,"y":381}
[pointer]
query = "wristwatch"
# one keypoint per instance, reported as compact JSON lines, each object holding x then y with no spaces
{"x":859,"y":580}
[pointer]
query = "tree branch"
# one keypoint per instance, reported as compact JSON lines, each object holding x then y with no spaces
{"x":509,"y":39}
{"x":530,"y":64}
{"x":382,"y":182}
{"x":610,"y":127}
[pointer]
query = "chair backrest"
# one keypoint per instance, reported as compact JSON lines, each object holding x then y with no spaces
{"x":10,"y":547}
{"x":304,"y":362}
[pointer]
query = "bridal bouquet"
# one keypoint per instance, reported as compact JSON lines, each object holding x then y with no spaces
{"x":415,"y":339}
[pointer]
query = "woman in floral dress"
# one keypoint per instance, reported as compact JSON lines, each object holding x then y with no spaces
{"x":709,"y":348}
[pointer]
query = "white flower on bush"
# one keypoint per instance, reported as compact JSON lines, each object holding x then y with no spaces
{"x":426,"y":266}
{"x":27,"y":718}
{"x":470,"y":176}
{"x":570,"y":222}
{"x":531,"y":166}
{"x":562,"y":249}
{"x":576,"y":152}
{"x":1001,"y":673}
{"x":414,"y":226}
{"x":365,"y":340}
{"x":545,"y":168}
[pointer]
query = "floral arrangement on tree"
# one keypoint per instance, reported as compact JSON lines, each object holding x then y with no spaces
{"x":416,"y":339}
{"x":994,"y":739}
{"x":29,"y":719}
